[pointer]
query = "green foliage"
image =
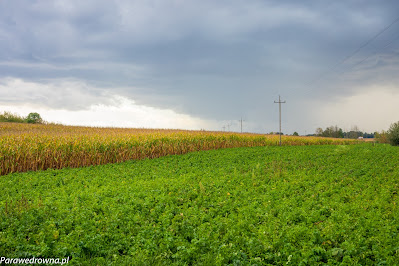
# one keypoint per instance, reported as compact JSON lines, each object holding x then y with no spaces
{"x":393,"y":134}
{"x":295,"y":134}
{"x":10,"y":117}
{"x":290,"y":205}
{"x":34,"y":118}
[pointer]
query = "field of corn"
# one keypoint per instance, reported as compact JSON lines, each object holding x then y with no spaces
{"x":26,"y":147}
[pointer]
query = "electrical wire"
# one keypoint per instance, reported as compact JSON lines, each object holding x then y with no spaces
{"x":354,"y":53}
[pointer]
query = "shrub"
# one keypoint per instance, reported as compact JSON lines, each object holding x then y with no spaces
{"x":381,"y":137}
{"x":10,"y":117}
{"x":393,"y":134}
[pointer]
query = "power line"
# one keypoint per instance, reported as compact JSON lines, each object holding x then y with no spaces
{"x":369,"y":41}
{"x":375,"y":52}
{"x":241,"y":123}
{"x":353,"y":53}
{"x":279,"y":112}
{"x":228,"y":127}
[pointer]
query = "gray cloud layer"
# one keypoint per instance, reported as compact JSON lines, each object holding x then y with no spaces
{"x":213,"y":59}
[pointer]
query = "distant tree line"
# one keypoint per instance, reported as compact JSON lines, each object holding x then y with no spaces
{"x":336,"y":132}
{"x":276,"y":133}
{"x":32,"y":118}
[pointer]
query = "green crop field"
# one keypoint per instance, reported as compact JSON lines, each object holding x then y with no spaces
{"x":289,"y":205}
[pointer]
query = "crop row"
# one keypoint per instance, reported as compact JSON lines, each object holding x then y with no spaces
{"x":39,"y":147}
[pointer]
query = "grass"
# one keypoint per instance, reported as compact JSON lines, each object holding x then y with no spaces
{"x":290,"y":205}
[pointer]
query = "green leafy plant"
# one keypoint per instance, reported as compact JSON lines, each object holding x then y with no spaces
{"x":290,"y":205}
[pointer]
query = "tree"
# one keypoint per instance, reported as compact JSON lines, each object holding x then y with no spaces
{"x":354,"y":133}
{"x":295,"y":134}
{"x":393,"y":134}
{"x":331,"y":132}
{"x":34,"y":118}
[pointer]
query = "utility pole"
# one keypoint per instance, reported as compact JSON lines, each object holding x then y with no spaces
{"x":241,"y":123}
{"x":279,"y":112}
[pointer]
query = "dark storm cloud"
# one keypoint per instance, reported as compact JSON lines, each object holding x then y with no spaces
{"x":213,"y":59}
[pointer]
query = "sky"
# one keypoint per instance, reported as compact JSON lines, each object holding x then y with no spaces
{"x":202,"y":64}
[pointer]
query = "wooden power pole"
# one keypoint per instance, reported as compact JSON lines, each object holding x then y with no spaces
{"x":279,"y":113}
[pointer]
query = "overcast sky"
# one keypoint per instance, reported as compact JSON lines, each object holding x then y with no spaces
{"x":202,"y":64}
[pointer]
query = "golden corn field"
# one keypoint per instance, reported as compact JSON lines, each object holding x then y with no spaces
{"x":26,"y":147}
